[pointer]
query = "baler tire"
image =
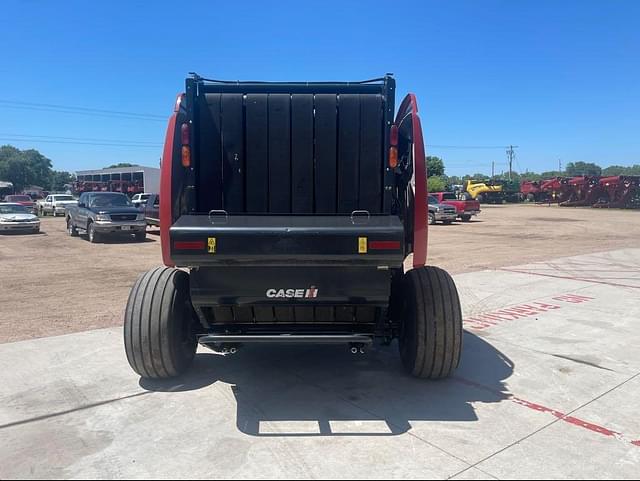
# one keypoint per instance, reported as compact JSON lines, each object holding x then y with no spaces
{"x":159,"y":327}
{"x":431,"y":324}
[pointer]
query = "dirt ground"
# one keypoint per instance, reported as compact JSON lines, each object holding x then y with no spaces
{"x":53,"y":284}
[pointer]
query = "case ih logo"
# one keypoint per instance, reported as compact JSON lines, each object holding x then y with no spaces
{"x":310,"y":293}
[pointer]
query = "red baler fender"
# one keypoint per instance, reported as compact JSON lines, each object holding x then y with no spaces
{"x":409,"y":106}
{"x":166,"y":166}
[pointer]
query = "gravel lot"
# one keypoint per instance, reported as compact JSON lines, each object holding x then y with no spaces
{"x":53,"y":284}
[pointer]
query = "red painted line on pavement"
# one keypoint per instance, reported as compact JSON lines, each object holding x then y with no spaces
{"x":554,"y":412}
{"x":571,"y":278}
{"x":531,"y":309}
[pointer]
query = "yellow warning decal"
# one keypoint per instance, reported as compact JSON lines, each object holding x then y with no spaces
{"x":362,"y":245}
{"x":212,"y":245}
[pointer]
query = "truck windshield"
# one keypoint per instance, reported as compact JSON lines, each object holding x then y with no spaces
{"x":110,"y":200}
{"x":18,"y":198}
{"x":13,"y":209}
{"x":449,"y":196}
{"x":433,"y":200}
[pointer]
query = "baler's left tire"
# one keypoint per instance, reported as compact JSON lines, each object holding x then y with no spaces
{"x":159,"y":327}
{"x":431,"y":324}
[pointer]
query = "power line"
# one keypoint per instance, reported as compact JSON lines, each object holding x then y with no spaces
{"x":467,"y":146}
{"x":67,"y":109}
{"x":83,"y":139}
{"x":105,"y":144}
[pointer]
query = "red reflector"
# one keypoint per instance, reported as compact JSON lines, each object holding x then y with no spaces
{"x":393,"y":136}
{"x":184,"y":134}
{"x":189,"y":245}
{"x":384,"y":245}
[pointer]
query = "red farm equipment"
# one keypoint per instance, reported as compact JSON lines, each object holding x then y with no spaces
{"x":585,"y":190}
{"x":555,"y":190}
{"x":287,"y":211}
{"x":620,"y":191}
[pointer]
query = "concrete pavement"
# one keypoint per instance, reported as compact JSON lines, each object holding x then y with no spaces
{"x":548,"y":388}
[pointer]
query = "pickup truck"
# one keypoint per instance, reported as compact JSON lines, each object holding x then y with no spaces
{"x":101,"y":214}
{"x":440,"y":212}
{"x":464,"y":208}
{"x":23,"y":200}
{"x":151,"y":210}
{"x":56,"y":204}
{"x":140,"y":200}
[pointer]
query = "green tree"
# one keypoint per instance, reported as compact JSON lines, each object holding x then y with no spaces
{"x":436,"y":184}
{"x":583,"y":168}
{"x":435,"y":166}
{"x":60,"y":181}
{"x":121,"y":164}
{"x":24,"y":167}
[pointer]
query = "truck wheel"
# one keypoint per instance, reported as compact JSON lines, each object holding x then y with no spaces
{"x":465,"y":218}
{"x":447,"y":222}
{"x":431,"y":324}
{"x":141,"y":236}
{"x":159,"y":334}
{"x":71,"y":229}
{"x":432,"y":218}
{"x":92,"y":234}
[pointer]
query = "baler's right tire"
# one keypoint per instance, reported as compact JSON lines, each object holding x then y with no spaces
{"x":431,"y":324}
{"x":159,"y":328}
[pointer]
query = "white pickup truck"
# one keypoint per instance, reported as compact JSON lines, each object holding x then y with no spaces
{"x":55,"y":204}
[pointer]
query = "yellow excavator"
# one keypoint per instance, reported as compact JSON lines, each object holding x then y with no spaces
{"x":485,"y":191}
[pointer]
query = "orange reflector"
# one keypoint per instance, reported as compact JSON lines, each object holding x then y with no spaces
{"x":393,"y":157}
{"x":186,"y":156}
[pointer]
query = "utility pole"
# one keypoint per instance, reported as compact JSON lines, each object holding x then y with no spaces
{"x":493,"y":169}
{"x":511,"y":155}
{"x":559,"y":166}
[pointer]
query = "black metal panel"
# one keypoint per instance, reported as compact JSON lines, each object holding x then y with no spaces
{"x":302,"y":154}
{"x":305,"y":287}
{"x":348,"y":152}
{"x":257,"y":145}
{"x":371,"y":153}
{"x":209,"y":138}
{"x":288,"y":239}
{"x":279,"y":153}
{"x":303,"y":314}
{"x":243,"y":315}
{"x":284,"y":315}
{"x":263,"y":314}
{"x":293,"y":88}
{"x":223,"y":315}
{"x":325,"y":153}
{"x":233,"y":152}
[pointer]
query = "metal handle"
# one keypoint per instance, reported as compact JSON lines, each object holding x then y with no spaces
{"x":360,"y":214}
{"x":219,"y":213}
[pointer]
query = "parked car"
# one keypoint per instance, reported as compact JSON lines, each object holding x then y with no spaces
{"x":465,"y":208}
{"x":152,"y":210}
{"x":441,"y":212}
{"x":101,"y":214}
{"x":22,"y":199}
{"x":56,"y":204}
{"x":18,"y":218}
{"x":139,"y":200}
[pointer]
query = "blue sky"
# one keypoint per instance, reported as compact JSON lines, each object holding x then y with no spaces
{"x":561,"y":79}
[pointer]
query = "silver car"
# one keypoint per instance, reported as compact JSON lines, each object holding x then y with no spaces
{"x":18,"y":218}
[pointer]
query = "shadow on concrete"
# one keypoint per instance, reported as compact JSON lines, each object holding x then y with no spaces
{"x":326,"y":391}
